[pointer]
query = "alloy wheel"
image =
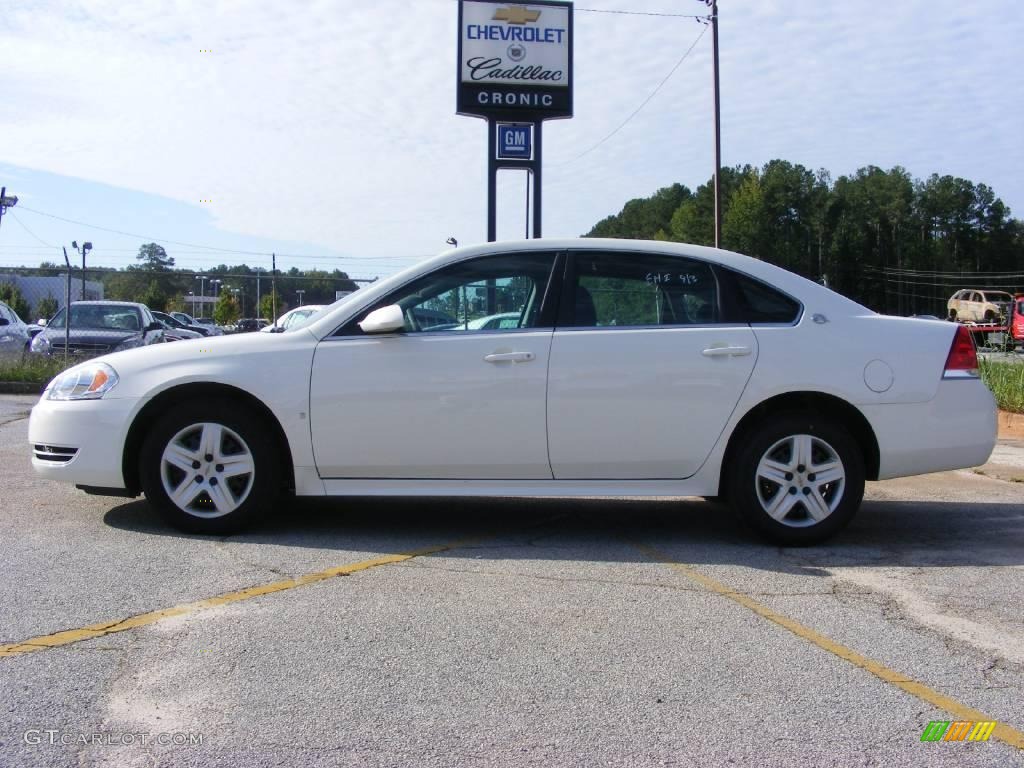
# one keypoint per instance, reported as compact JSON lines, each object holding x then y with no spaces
{"x":800,"y":480}
{"x":207,"y":470}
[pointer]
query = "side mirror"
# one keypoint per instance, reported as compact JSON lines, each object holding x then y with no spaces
{"x":43,"y":322}
{"x":154,"y":326}
{"x":384,"y":320}
{"x":4,"y":321}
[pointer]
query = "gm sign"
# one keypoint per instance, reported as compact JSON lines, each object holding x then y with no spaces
{"x":515,"y":60}
{"x":515,"y":142}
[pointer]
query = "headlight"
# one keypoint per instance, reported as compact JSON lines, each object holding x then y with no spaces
{"x":40,"y":343}
{"x":90,"y":381}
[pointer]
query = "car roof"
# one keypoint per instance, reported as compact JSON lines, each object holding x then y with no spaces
{"x":782,"y":279}
{"x":105,"y":303}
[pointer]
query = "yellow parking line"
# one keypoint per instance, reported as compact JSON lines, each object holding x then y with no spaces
{"x":69,"y":636}
{"x":1002,"y":731}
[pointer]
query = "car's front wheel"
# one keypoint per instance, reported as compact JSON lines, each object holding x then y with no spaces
{"x":210,"y":467}
{"x":798,"y":479}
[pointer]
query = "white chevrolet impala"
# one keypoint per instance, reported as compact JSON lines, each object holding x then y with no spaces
{"x":634,"y":368}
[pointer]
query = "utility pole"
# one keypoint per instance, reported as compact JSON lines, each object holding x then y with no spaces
{"x":6,"y":202}
{"x":718,"y":125}
{"x":67,"y":307}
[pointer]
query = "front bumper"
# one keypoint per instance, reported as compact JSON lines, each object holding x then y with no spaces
{"x":954,"y":430}
{"x":91,"y":432}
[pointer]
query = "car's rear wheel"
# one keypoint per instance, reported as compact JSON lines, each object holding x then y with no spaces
{"x":209,"y":467}
{"x":799,"y":479}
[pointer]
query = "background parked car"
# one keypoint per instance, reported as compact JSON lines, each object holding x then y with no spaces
{"x":14,"y":335}
{"x":251,"y":324}
{"x":293,"y":318}
{"x":979,"y":306}
{"x":175,"y":330}
{"x":209,"y":324}
{"x":99,"y":327}
{"x":494,"y":322}
{"x":207,"y":329}
{"x":36,"y":327}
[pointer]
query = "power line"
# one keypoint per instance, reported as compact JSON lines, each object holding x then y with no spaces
{"x":144,"y":237}
{"x":643,"y":104}
{"x":704,"y":17}
{"x":936,"y":273}
{"x":25,"y":227}
{"x":172,"y":242}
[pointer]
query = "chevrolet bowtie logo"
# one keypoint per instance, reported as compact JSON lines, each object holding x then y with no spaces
{"x":516,"y":14}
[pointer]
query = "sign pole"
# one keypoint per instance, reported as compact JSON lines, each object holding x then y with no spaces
{"x":492,"y":180}
{"x":535,"y":173}
{"x":514,"y":69}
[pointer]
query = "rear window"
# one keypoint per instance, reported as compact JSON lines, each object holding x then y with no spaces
{"x":760,"y":303}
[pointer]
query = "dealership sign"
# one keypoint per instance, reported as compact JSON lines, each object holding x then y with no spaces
{"x":515,"y":60}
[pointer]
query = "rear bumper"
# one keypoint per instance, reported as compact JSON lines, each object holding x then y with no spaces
{"x":92,"y":432}
{"x":954,"y":430}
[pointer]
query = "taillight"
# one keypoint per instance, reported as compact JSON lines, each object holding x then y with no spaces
{"x":963,"y":357}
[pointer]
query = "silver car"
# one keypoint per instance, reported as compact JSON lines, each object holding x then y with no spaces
{"x":14,"y":336}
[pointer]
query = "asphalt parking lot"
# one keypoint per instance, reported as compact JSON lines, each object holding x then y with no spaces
{"x":442,"y":633}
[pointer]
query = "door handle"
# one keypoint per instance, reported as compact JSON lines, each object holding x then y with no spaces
{"x":726,"y":351}
{"x":509,"y":357}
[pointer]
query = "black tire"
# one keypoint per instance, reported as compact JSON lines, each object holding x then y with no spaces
{"x":239,"y":435}
{"x":952,"y":314}
{"x":777,"y":439}
{"x":990,"y":316}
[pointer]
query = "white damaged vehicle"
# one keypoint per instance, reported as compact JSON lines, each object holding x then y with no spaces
{"x":632,"y":368}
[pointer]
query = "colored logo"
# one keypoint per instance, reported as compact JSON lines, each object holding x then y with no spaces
{"x":516,"y":52}
{"x":960,"y":730}
{"x":515,"y":142}
{"x":516,"y":14}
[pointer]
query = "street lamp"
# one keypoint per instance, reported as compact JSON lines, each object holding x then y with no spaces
{"x":193,"y":298}
{"x":300,"y":291}
{"x":202,"y":286}
{"x":6,"y":201}
{"x":216,"y":287}
{"x":86,"y":247}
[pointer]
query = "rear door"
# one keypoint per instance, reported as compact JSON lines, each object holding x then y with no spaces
{"x":644,"y":370}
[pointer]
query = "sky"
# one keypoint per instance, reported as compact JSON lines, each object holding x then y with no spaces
{"x":326,"y":131}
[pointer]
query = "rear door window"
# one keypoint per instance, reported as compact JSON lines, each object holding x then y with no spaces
{"x":631,"y":289}
{"x":761,"y":303}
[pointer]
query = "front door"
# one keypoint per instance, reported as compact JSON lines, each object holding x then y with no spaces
{"x":460,"y":393}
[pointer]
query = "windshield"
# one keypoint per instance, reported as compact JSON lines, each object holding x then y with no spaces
{"x":301,"y":317}
{"x":1002,"y":298}
{"x":106,"y":318}
{"x":167,"y":320}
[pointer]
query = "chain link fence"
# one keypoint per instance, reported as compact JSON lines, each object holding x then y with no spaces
{"x":154,"y":306}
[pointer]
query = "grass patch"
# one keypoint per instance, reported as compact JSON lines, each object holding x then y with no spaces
{"x":1006,"y":380}
{"x":34,"y":369}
